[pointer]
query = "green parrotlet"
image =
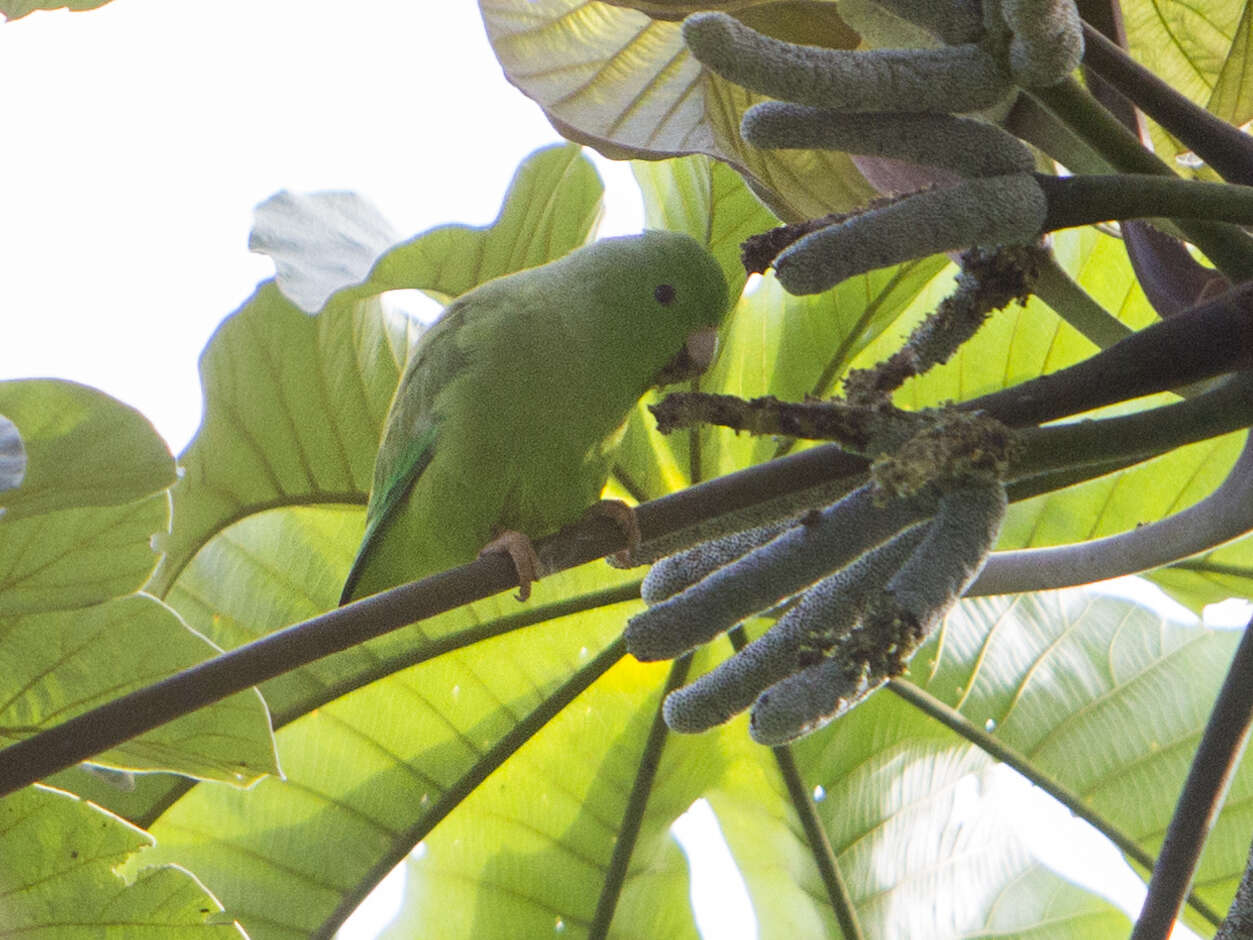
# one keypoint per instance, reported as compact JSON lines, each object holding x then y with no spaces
{"x":505,"y":411}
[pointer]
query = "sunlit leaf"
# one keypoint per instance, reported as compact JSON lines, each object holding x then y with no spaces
{"x":1100,"y":694}
{"x":1104,"y":696}
{"x":58,"y":877}
{"x":295,"y":404}
{"x":1232,"y":98}
{"x":73,"y":548}
{"x":920,"y":847}
{"x":528,"y":852}
{"x":368,"y":775}
{"x":622,"y":81}
{"x":550,"y":209}
{"x":16,"y":9}
{"x":78,"y":530}
{"x":1210,"y":578}
{"x":1194,"y":49}
{"x":292,"y":414}
{"x":59,"y":664}
{"x":83,"y":448}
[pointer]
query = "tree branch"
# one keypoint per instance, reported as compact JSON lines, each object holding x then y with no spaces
{"x":766,"y":491}
{"x":1225,"y":514}
{"x":1227,"y":245}
{"x":1225,"y":148}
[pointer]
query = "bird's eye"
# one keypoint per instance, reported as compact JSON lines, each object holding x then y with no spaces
{"x":665,"y":293}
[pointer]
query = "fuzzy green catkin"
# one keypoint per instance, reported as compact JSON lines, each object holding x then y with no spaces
{"x":951,"y":78}
{"x":804,"y":702}
{"x":784,"y":508}
{"x":965,"y":146}
{"x":955,"y":22}
{"x":676,"y":572}
{"x":952,"y":554}
{"x":996,"y":210}
{"x":915,"y":600}
{"x":777,"y":570}
{"x":826,"y":612}
{"x":1048,"y":40}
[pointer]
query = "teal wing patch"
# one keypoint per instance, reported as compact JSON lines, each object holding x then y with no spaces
{"x":394,"y":493}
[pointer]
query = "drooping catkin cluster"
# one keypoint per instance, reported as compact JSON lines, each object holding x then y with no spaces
{"x":898,"y":619}
{"x":826,"y":613}
{"x":869,"y":584}
{"x":904,"y":104}
{"x":823,"y":541}
{"x":861,"y":583}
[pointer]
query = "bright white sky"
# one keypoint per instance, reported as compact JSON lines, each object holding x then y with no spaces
{"x":139,"y":136}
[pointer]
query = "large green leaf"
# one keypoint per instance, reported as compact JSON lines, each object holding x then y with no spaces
{"x":58,"y":876}
{"x":294,"y":405}
{"x":337,"y":243}
{"x":368,"y":775}
{"x":58,"y":664}
{"x":1101,"y":695}
{"x":75,"y":543}
{"x":553,"y":203}
{"x":16,"y":9}
{"x":1211,"y":577}
{"x":83,"y":448}
{"x":1201,"y":51}
{"x":1105,"y":697}
{"x":528,"y":853}
{"x":1232,"y":98}
{"x":78,"y":530}
{"x":621,"y":80}
{"x":899,"y":797}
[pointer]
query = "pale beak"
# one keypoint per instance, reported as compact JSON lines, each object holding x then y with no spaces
{"x":698,"y":353}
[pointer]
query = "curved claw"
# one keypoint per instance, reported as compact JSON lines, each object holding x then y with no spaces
{"x":522,"y":553}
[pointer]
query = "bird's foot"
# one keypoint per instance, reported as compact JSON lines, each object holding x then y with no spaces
{"x":523,"y":555}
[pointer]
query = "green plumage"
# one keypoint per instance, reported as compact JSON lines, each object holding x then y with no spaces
{"x":502,"y":415}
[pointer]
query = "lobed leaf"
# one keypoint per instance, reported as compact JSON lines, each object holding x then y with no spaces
{"x":58,"y":874}
{"x":294,"y":405}
{"x":370,"y":773}
{"x":616,"y":78}
{"x":1200,"y":51}
{"x":76,"y":544}
{"x":59,"y":664}
{"x":16,"y":9}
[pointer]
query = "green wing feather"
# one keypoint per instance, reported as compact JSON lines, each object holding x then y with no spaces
{"x":411,"y":429}
{"x":394,"y":493}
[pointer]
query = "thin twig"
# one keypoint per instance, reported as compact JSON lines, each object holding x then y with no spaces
{"x":633,"y":812}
